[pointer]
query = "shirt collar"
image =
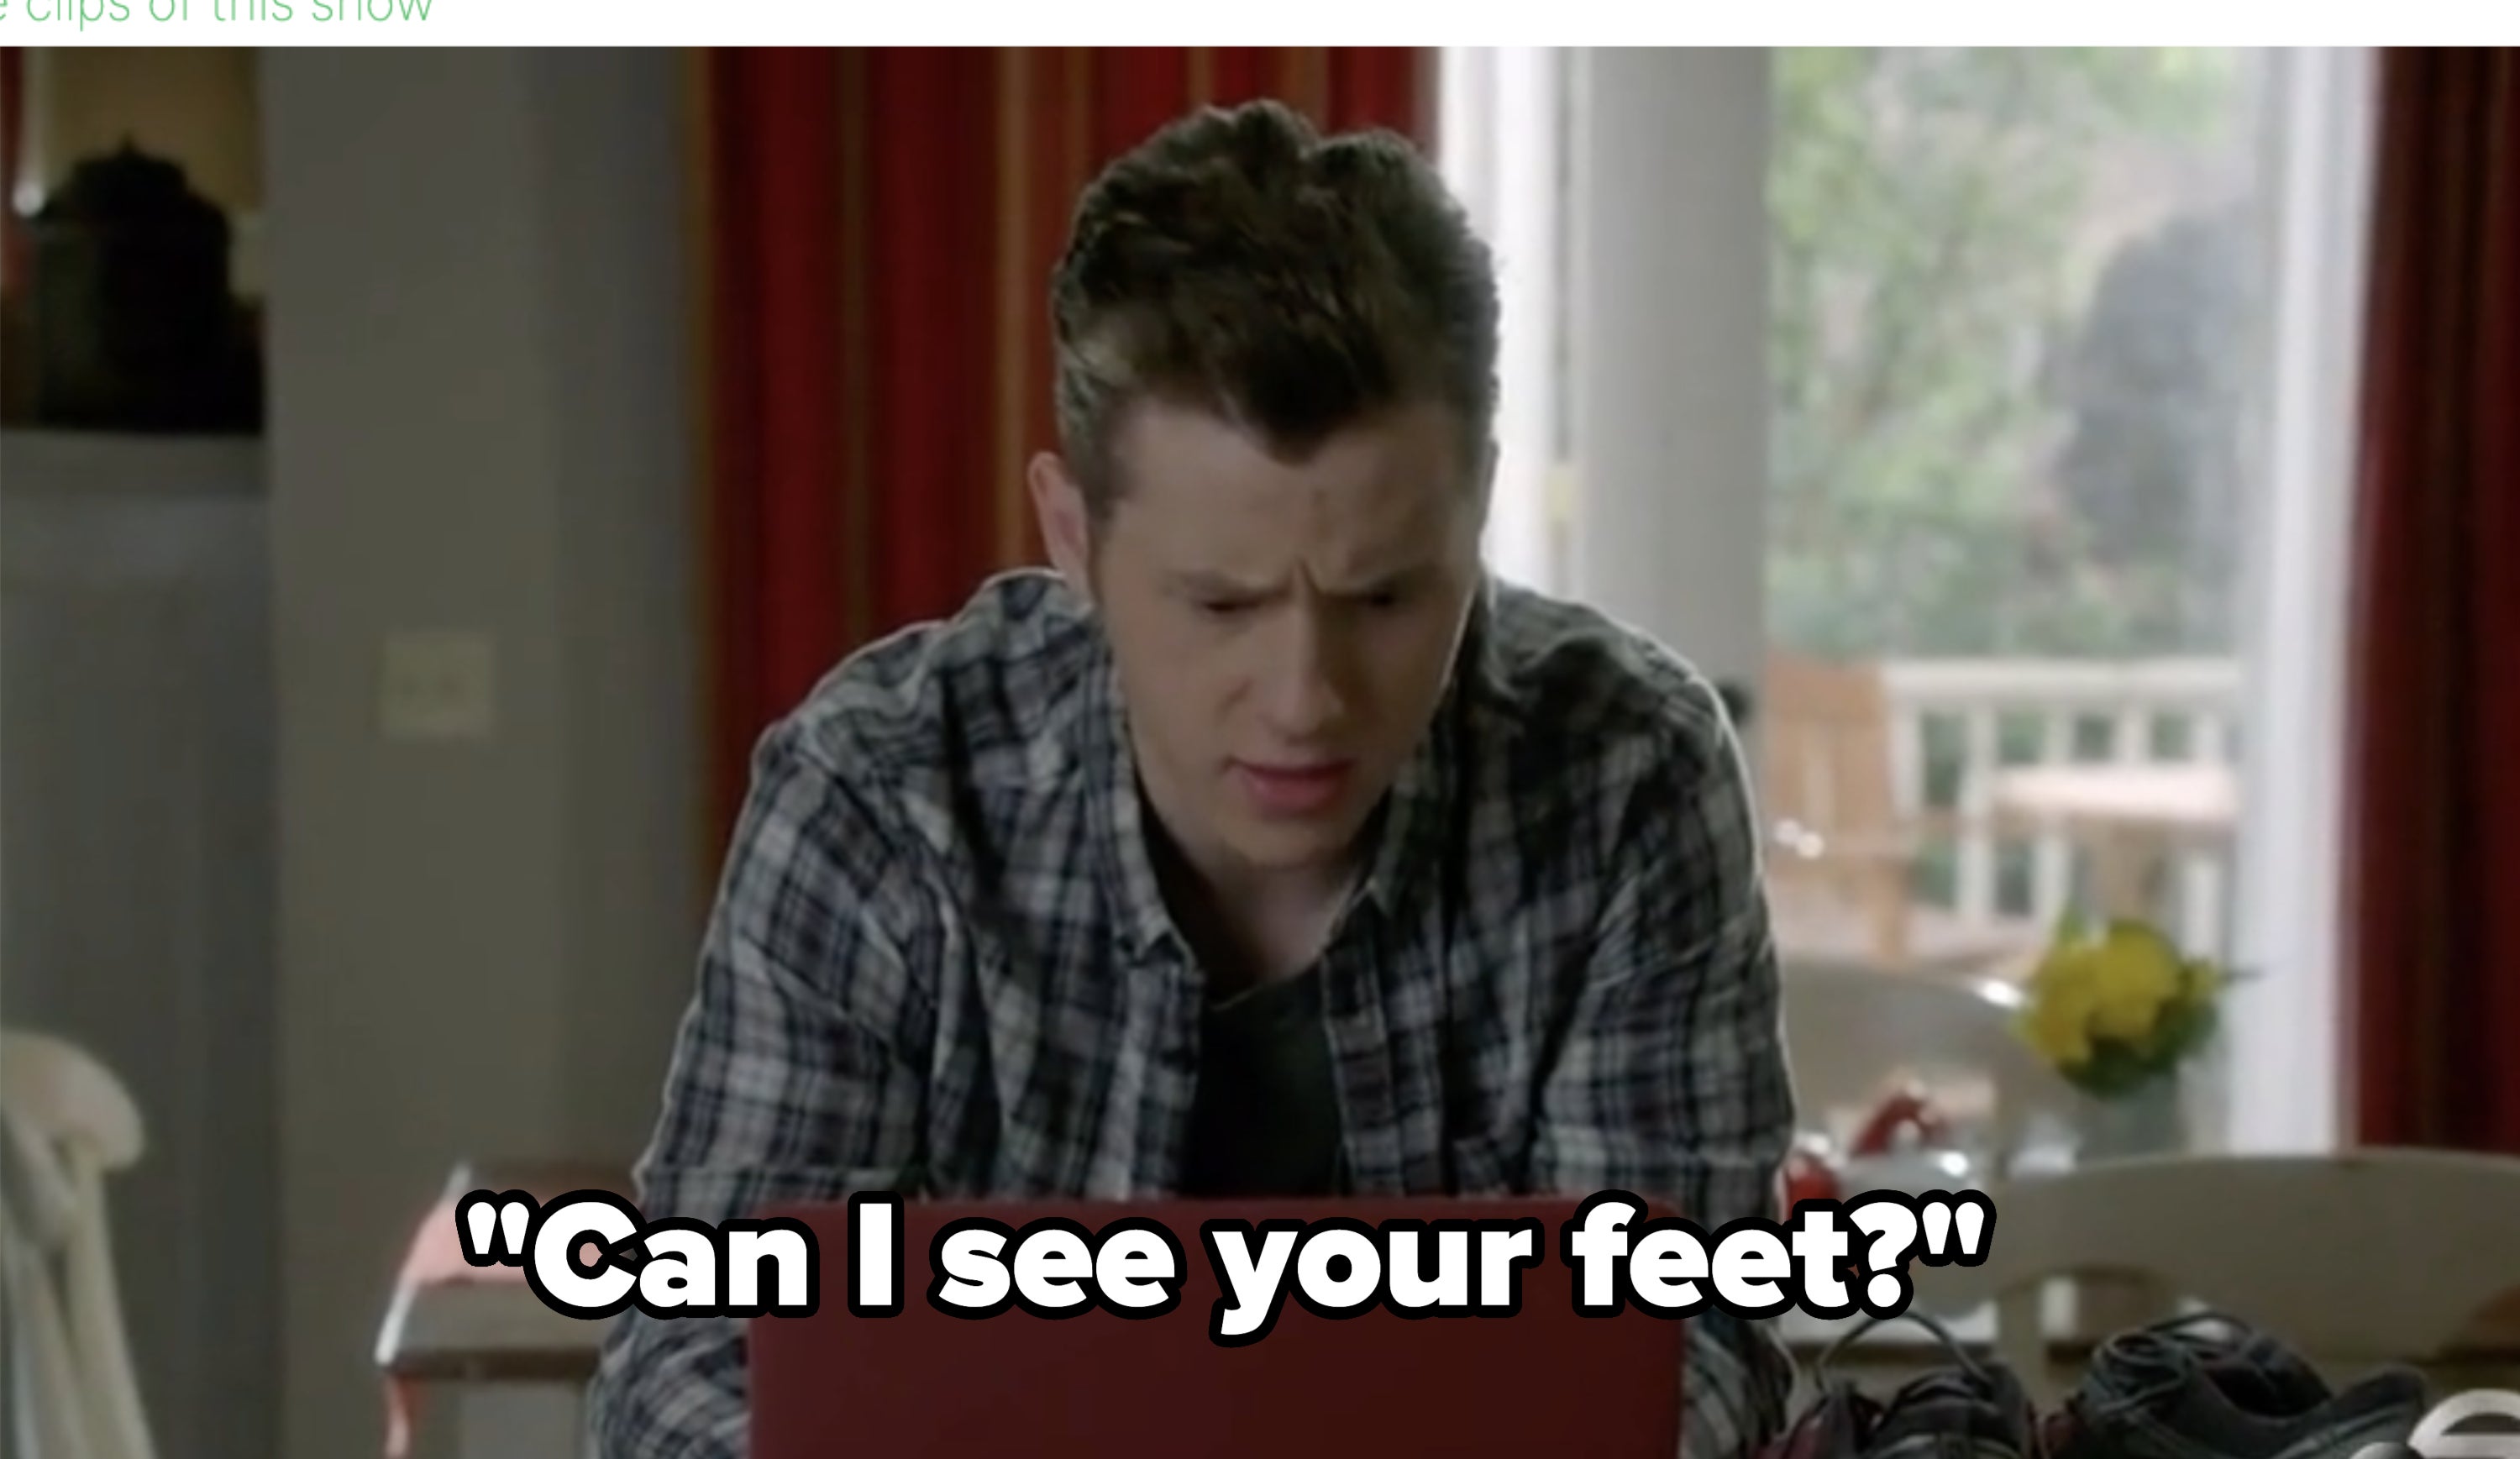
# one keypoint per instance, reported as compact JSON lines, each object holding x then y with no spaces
{"x":1409,"y":829}
{"x":1417,"y":826}
{"x":1119,"y":808}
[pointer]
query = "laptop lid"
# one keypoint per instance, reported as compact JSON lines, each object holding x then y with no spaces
{"x":1543,"y":1380}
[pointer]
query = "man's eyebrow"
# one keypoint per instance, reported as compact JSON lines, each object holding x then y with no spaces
{"x":1206,"y":584}
{"x":1387,"y":580}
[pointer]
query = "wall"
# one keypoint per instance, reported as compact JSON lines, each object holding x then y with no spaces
{"x":135,"y":911}
{"x":479,"y":424}
{"x":616,"y":273}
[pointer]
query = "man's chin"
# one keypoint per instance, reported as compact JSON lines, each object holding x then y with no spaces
{"x":1292,"y":844}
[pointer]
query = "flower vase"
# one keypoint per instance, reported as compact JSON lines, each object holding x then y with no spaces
{"x":2151,"y":1119}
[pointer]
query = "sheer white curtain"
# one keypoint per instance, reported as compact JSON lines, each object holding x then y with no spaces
{"x":2286,"y":1037}
{"x":1500,"y":138}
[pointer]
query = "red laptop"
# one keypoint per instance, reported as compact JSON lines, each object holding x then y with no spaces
{"x":1543,"y":1381}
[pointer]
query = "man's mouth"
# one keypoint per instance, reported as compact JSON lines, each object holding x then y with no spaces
{"x":1292,"y":788}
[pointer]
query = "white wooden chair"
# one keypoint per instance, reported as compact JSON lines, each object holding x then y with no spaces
{"x":2367,"y":1258}
{"x":1840,"y":850}
{"x":68,"y":1123}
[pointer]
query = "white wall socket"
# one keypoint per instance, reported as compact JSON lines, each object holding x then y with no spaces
{"x":438,"y":685}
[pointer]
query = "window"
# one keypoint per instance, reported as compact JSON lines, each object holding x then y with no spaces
{"x":2056,"y":362}
{"x":2016,"y":300}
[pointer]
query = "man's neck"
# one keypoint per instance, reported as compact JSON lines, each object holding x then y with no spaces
{"x":1248,"y":925}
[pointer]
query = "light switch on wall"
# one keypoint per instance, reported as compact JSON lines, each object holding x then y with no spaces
{"x":438,"y":685}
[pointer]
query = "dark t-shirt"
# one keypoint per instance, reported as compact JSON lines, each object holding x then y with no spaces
{"x":1265,"y":1121}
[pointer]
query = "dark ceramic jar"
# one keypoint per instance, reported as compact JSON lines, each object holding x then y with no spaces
{"x":133,"y":321}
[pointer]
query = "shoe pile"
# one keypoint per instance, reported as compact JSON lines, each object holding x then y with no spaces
{"x":2199,"y":1387}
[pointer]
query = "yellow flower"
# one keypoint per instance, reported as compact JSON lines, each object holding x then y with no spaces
{"x":2056,"y":1032}
{"x":2139,"y":973}
{"x":2065,"y":992}
{"x":2123,"y":986}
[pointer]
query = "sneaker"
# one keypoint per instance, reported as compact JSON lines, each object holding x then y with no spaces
{"x":1973,"y":1408}
{"x":2207,"y":1386}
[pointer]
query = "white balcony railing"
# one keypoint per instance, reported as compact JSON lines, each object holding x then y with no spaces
{"x":1955,"y":722}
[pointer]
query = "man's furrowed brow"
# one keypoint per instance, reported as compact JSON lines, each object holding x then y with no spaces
{"x":1209,"y":583}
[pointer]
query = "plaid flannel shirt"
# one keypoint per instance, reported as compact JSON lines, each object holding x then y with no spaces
{"x":939,"y":964}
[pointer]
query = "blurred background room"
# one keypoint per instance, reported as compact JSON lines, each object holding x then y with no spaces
{"x":423,"y":473}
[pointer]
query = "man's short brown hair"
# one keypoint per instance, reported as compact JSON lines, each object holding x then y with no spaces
{"x":1240,"y":262}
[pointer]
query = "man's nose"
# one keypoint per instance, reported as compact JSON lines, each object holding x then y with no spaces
{"x":1306,"y":699}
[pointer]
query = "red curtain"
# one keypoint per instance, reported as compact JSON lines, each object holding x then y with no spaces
{"x":878,"y":229}
{"x":2434,"y":895}
{"x":14,"y":256}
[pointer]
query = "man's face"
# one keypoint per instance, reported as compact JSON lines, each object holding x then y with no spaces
{"x":1283,"y":629}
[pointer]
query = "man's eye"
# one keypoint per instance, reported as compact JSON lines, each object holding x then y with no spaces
{"x":1223,"y":608}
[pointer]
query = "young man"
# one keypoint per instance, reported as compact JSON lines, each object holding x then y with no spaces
{"x":1269,"y":846}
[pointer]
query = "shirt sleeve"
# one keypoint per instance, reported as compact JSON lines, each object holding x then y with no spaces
{"x":1672,"y":1083}
{"x":797,"y":1074}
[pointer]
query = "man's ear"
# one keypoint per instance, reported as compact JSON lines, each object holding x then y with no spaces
{"x":1066,"y":528}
